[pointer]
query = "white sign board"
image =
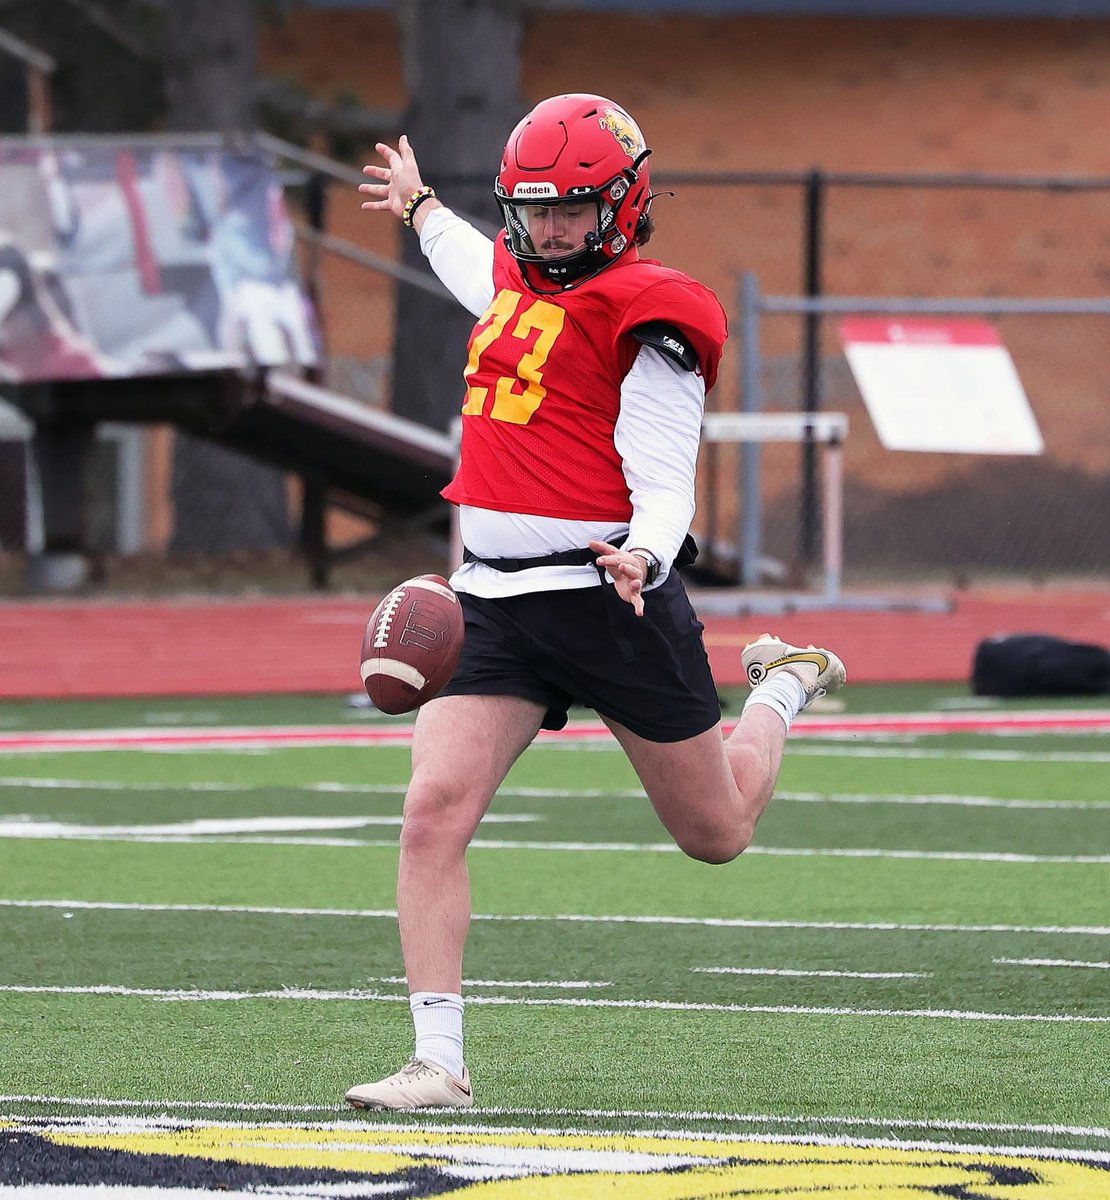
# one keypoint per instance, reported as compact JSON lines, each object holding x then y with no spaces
{"x":936,"y":385}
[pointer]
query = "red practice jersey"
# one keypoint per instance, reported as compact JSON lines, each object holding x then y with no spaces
{"x":543,"y":378}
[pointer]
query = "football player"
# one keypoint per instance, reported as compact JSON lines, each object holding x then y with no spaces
{"x":585,"y":386}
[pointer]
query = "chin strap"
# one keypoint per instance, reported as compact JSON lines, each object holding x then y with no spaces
{"x":589,"y":262}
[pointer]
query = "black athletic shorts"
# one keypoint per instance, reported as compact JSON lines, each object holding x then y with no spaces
{"x":587,"y":646}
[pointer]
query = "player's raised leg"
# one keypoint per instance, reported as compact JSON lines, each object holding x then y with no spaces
{"x":463,"y":746}
{"x":695,"y":793}
{"x":710,"y":791}
{"x":784,"y":680}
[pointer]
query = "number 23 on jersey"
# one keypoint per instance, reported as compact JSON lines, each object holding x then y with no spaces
{"x":515,"y":397}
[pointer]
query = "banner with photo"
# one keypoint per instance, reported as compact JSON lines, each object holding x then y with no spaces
{"x":119,"y":261}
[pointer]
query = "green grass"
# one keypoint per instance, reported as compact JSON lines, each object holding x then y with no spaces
{"x":283,"y":1051}
{"x":1032,"y":1078}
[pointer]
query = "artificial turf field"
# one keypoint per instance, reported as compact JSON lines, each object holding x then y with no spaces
{"x":902,"y":989}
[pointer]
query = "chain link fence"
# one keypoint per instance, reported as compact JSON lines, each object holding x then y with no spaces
{"x":914,"y":517}
{"x":925,"y":517}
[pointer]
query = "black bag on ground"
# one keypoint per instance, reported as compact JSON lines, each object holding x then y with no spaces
{"x":1036,"y":664}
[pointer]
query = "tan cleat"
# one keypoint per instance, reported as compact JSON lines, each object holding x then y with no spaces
{"x":820,"y":671}
{"x":418,"y":1084}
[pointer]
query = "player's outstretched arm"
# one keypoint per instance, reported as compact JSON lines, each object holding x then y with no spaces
{"x":398,"y":180}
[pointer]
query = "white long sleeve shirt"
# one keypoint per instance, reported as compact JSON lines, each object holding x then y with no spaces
{"x":657,"y":435}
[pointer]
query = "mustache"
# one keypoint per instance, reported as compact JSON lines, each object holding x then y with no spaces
{"x":556,"y":244}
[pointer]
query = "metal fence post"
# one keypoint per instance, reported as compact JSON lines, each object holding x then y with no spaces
{"x":811,"y":365}
{"x":750,"y":495}
{"x":833,"y":522}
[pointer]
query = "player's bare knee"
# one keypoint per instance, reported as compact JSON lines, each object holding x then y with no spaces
{"x":436,"y":816}
{"x":715,"y":847}
{"x":424,"y":835}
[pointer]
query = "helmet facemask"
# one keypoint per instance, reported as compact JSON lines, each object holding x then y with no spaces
{"x":562,"y":237}
{"x":592,"y":224}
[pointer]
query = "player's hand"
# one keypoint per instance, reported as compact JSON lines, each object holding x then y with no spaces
{"x":400,"y":177}
{"x":627,"y":572}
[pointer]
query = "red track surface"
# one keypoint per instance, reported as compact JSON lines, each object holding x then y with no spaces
{"x":71,"y":648}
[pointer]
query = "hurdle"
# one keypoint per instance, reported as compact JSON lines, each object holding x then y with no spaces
{"x":826,"y":429}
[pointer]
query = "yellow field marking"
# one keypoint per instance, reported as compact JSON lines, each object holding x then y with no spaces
{"x":538,"y":1165}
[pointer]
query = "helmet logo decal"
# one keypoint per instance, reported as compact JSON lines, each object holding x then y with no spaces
{"x":623,"y":128}
{"x":534,"y":190}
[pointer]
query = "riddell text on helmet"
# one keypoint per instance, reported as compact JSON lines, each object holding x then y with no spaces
{"x":534,"y":189}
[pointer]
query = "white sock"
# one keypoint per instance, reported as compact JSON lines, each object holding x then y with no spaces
{"x":438,"y":1020}
{"x":783,"y":693}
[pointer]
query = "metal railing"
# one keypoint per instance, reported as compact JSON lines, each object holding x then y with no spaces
{"x":40,"y":68}
{"x":753,"y":429}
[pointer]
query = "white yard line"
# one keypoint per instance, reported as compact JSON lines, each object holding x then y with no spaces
{"x":332,"y":787}
{"x":202,"y":828}
{"x":941,"y":800}
{"x":571,"y":984}
{"x":320,"y":995}
{"x":572,"y":918}
{"x":168,"y":1106}
{"x":45,"y":831}
{"x":790,"y":972}
{"x":1053,"y":962}
{"x":934,"y":855}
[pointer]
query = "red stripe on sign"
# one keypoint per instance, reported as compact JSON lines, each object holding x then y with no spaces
{"x":146,"y":262}
{"x":883,"y":331}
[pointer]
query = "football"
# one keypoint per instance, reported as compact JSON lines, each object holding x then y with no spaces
{"x":412,"y":644}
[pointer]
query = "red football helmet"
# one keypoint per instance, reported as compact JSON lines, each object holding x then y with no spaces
{"x":584,"y":156}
